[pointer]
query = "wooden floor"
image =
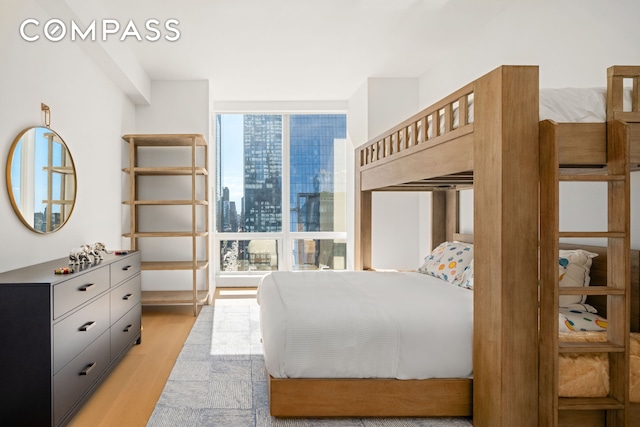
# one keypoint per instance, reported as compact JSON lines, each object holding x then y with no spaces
{"x":129,"y":394}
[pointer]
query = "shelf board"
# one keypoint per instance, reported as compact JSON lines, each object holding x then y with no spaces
{"x":173,"y":297}
{"x":173,"y":265}
{"x":166,"y":234}
{"x":165,"y":140}
{"x":168,"y":170}
{"x":65,"y":170}
{"x":166,"y":202}
{"x":59,"y":202}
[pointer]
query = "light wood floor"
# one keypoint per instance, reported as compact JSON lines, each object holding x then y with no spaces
{"x":128,"y":395}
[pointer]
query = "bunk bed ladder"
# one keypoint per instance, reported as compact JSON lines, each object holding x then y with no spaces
{"x":556,"y":410}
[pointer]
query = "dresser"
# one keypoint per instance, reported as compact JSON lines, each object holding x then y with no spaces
{"x":61,"y":334}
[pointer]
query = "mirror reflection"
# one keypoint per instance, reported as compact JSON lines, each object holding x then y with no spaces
{"x":41,"y":179}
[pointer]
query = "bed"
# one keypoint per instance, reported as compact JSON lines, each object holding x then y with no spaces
{"x":326,"y":334}
{"x":353,"y":324}
{"x":499,"y":153}
{"x":331,"y":325}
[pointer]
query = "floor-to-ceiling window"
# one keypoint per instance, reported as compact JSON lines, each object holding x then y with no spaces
{"x":280,"y":192}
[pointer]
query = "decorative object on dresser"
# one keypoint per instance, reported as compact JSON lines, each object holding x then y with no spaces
{"x":169,"y":213}
{"x":41,"y":178}
{"x":87,"y":253}
{"x":62,"y":334}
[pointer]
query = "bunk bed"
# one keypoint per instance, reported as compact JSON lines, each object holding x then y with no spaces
{"x":514,"y":162}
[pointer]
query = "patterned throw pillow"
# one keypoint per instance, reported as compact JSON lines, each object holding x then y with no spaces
{"x":577,"y":321}
{"x":574,"y":267}
{"x":448,"y":261}
{"x":467,"y":277}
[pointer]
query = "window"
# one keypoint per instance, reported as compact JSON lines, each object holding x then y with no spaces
{"x":280,"y":189}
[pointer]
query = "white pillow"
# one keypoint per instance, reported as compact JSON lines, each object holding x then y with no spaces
{"x":448,"y":261}
{"x":574,"y":266}
{"x":467,"y":277}
{"x":577,"y":321}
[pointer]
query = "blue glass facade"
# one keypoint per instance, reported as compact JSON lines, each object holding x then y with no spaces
{"x":262,"y":206}
{"x":312,"y":142}
{"x":250,"y":187}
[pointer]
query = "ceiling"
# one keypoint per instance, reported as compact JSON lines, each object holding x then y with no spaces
{"x":254,"y":50}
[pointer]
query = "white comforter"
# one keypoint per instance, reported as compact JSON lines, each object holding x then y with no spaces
{"x":564,"y":105}
{"x":578,"y":105}
{"x":330,"y":324}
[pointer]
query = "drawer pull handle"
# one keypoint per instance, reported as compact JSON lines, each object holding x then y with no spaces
{"x":126,"y":267}
{"x":127,"y":296}
{"x":86,"y":287}
{"x":88,"y":369}
{"x":87,"y":326}
{"x":127,"y":328}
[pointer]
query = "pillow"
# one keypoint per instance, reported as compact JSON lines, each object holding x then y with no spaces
{"x":467,"y":277}
{"x":448,"y":261}
{"x":577,"y":320}
{"x":581,"y":307}
{"x":574,"y":266}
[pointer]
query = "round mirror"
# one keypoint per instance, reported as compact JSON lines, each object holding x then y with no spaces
{"x":41,"y":179}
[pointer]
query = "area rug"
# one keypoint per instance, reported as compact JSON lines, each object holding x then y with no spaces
{"x":219,"y":379}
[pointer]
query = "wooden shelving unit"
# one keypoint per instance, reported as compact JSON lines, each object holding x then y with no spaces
{"x":66,"y":184}
{"x":196,"y":197}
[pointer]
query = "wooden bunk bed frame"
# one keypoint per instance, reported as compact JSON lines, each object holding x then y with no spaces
{"x":498,"y":154}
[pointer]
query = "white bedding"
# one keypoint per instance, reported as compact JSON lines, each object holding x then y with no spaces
{"x":563,"y":105}
{"x":359,"y":324}
{"x":577,"y":105}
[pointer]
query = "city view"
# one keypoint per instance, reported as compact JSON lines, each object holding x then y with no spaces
{"x":249,"y":193}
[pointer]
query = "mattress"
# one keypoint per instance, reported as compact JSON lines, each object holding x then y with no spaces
{"x":587,"y":375}
{"x":362,"y":324}
{"x":562,"y":105}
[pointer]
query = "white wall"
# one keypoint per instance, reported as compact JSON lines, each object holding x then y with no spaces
{"x":175,"y":107}
{"x":573,"y":42}
{"x":88,"y":111}
{"x":399,"y":234}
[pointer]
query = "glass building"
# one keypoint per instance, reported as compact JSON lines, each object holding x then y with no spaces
{"x":250,"y":178}
{"x":262,"y":207}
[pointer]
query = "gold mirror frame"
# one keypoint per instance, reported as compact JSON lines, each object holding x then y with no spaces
{"x":41,"y":179}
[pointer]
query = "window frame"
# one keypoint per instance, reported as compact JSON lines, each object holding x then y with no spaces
{"x":285,"y":238}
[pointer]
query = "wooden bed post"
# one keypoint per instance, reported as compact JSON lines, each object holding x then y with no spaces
{"x":444,"y":216}
{"x":362,"y":214}
{"x":506,"y":247}
{"x":438,"y":218}
{"x":452,"y":224}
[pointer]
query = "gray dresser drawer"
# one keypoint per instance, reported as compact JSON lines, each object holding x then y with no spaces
{"x":124,"y":297}
{"x":77,"y":331}
{"x":125,"y":330}
{"x":76,"y":291}
{"x":75,"y":379}
{"x":125,"y":268}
